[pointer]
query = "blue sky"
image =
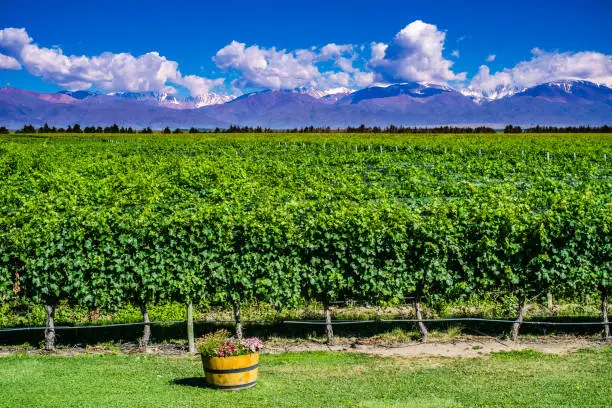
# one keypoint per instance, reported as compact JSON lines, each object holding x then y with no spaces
{"x":238,"y":46}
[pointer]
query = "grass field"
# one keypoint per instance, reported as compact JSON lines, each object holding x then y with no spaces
{"x":321,"y":379}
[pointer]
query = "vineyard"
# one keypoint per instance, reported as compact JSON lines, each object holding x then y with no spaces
{"x":100,"y":221}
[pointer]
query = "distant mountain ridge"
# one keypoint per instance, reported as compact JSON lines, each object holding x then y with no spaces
{"x":413,"y":89}
{"x":557,"y":103}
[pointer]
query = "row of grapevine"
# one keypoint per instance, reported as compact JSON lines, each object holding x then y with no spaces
{"x":379,"y":253}
{"x":229,"y":221}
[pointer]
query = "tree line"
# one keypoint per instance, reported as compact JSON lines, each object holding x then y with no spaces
{"x":76,"y":128}
{"x":556,"y":129}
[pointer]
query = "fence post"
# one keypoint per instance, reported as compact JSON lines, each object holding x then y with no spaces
{"x":238,"y":321}
{"x":190,"y":336}
{"x":604,"y":312}
{"x":549,"y":300}
{"x":146,"y":331}
{"x":329,"y":331}
{"x":50,"y":329}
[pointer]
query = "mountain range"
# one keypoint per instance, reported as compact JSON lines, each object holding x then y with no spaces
{"x":559,"y":103}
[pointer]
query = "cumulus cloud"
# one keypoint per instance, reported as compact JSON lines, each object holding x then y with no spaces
{"x":333,"y":50}
{"x":14,"y":39}
{"x":267,"y":68}
{"x":455,"y":53}
{"x":198,"y":85}
{"x":345,"y":64}
{"x":543,"y":67}
{"x":260,"y":67}
{"x":491,"y":57}
{"x":363,"y":78}
{"x":331,"y":79}
{"x":107,"y":71}
{"x":414,"y":54}
{"x":9,"y":63}
{"x":378,"y":51}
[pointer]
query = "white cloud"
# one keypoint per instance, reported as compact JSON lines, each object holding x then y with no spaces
{"x":271,"y":68}
{"x":198,"y":85}
{"x":107,"y":71}
{"x":455,"y":53}
{"x":9,"y":63}
{"x":345,"y":64}
{"x":14,"y":39}
{"x":267,"y":68}
{"x":305,"y":56}
{"x":363,"y":78}
{"x":542,"y":67}
{"x":331,"y":79}
{"x":415,"y":54}
{"x":491,"y":57}
{"x":378,"y":51}
{"x":333,"y":50}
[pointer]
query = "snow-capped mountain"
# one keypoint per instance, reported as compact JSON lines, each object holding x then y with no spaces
{"x":566,"y":89}
{"x":159,"y":98}
{"x":499,"y":92}
{"x":208,"y":99}
{"x":162,"y":98}
{"x":171,"y":101}
{"x":503,"y":91}
{"x":562,"y":103}
{"x":322,"y":93}
{"x":411,"y":89}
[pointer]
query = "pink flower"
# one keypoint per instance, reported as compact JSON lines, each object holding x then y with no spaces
{"x":226,"y":349}
{"x":252,"y":344}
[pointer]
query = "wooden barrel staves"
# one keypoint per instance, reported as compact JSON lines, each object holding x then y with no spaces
{"x":231,"y":373}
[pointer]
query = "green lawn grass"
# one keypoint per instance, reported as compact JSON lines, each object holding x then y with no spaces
{"x":513,"y":379}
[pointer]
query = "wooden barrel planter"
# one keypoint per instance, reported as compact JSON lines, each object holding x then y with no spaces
{"x":231,"y":373}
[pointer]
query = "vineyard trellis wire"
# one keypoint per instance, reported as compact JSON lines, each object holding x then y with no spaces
{"x":309,"y":322}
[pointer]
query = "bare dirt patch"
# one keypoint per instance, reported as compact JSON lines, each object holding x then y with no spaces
{"x":465,"y":346}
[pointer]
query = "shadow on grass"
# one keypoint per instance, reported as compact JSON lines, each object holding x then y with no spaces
{"x":198,"y":382}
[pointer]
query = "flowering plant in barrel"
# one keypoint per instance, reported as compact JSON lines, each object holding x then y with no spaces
{"x":229,"y":363}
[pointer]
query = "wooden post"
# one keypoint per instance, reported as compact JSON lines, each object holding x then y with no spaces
{"x":519,"y":319}
{"x":419,"y":315}
{"x":549,"y":301}
{"x":50,"y":329}
{"x":238,"y":322}
{"x":329,"y":330}
{"x":604,"y":313}
{"x":146,"y":332}
{"x":190,"y":336}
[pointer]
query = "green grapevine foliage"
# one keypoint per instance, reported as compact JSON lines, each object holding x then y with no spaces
{"x":103,"y":220}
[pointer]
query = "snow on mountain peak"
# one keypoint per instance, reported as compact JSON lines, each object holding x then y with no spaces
{"x":171,"y":101}
{"x":567,"y":85}
{"x":208,"y":99}
{"x":499,"y":92}
{"x":437,"y":85}
{"x":321,"y":93}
